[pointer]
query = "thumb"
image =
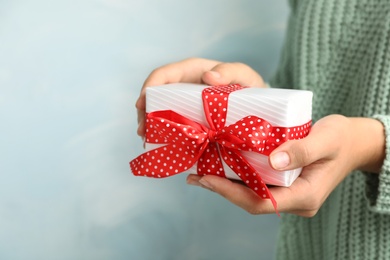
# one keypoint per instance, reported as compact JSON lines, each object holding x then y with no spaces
{"x":295,"y":154}
{"x":232,"y":73}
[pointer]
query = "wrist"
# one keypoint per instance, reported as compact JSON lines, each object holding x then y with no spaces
{"x":367,"y":144}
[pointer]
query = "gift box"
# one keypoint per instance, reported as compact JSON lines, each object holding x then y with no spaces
{"x":236,"y":127}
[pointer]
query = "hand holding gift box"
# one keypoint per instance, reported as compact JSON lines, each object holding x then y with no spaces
{"x":227,"y":131}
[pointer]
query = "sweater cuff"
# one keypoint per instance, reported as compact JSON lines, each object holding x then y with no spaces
{"x":378,"y":185}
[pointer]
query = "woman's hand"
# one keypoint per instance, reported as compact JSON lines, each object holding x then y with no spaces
{"x":196,"y":70}
{"x":335,"y":146}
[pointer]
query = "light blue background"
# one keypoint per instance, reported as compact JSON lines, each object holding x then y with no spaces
{"x":70,"y":73}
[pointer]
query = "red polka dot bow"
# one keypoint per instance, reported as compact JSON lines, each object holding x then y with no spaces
{"x":185,"y":142}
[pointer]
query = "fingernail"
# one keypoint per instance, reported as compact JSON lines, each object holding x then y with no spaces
{"x":206,"y":184}
{"x":215,"y":74}
{"x":280,"y":160}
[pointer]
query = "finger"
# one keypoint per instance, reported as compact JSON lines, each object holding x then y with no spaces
{"x":141,"y":123}
{"x":232,"y":73}
{"x":193,"y":179}
{"x":237,"y":193}
{"x":247,"y":199}
{"x":289,"y":199}
{"x":188,"y":70}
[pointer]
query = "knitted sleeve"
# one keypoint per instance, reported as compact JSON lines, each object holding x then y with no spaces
{"x":378,"y":185}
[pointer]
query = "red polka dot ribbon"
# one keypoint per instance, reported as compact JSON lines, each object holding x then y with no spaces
{"x":186,"y":142}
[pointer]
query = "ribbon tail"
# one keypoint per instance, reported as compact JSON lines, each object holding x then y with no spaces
{"x":274,"y":203}
{"x":269,"y":196}
{"x":248,"y":175}
{"x":210,"y":162}
{"x":264,"y":190}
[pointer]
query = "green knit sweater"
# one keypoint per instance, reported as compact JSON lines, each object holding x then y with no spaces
{"x":340,"y":49}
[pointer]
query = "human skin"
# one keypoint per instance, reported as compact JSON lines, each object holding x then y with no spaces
{"x":335,"y":146}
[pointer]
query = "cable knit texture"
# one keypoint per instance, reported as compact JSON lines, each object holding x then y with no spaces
{"x":340,"y":49}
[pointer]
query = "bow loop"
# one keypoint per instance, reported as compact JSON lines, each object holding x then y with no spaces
{"x":250,"y":133}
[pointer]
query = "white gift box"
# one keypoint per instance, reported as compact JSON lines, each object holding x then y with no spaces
{"x":280,"y":107}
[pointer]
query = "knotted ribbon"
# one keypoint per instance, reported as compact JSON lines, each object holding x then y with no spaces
{"x":186,"y":142}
